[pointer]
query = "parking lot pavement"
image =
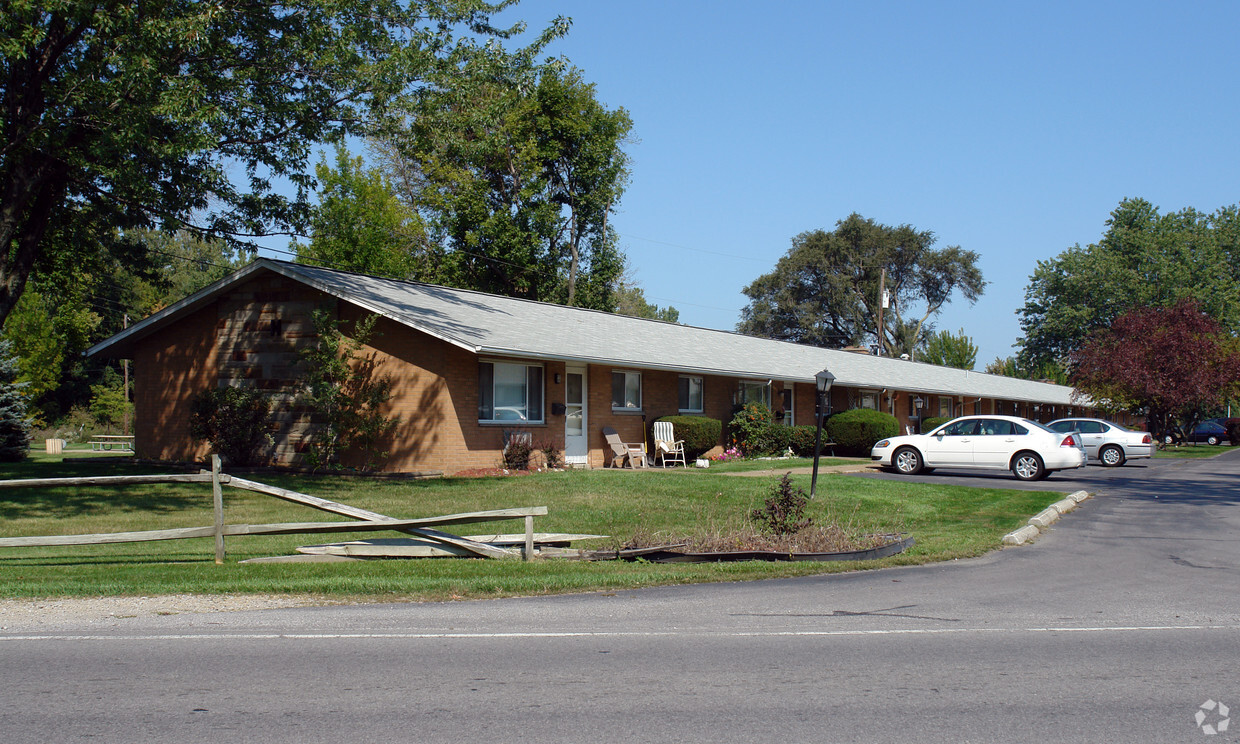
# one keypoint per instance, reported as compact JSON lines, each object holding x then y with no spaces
{"x":1093,"y":478}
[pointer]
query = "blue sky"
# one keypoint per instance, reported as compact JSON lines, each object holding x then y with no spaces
{"x":1010,"y":129}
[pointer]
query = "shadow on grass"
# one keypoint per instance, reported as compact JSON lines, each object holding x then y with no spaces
{"x":75,"y":500}
{"x":104,"y":560}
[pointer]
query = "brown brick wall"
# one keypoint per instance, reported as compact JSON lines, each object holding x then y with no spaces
{"x":252,"y":336}
{"x":171,"y":367}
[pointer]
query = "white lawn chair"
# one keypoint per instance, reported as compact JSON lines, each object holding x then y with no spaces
{"x":666,"y":447}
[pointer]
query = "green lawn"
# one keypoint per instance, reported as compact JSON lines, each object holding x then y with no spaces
{"x":781,"y":464}
{"x":948,"y":522}
{"x":1192,"y":451}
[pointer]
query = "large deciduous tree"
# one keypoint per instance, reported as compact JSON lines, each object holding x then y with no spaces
{"x":1169,"y":362}
{"x":185,"y":114}
{"x":361,"y":225}
{"x":518,"y":183}
{"x":631,"y":300}
{"x":1144,"y":259}
{"x":825,"y":291}
{"x":948,"y":349}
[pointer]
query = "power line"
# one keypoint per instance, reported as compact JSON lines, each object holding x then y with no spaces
{"x":696,"y":250}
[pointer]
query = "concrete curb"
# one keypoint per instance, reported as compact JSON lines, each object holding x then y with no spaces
{"x":1044,"y":519}
{"x":1065,"y":506}
{"x":1021,"y":536}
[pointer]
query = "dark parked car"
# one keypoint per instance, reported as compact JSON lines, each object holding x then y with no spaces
{"x":1209,"y":432}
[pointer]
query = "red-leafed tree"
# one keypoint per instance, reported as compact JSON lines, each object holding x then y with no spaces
{"x":1171,"y":362}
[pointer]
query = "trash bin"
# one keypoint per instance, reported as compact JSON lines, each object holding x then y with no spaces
{"x":54,"y":446}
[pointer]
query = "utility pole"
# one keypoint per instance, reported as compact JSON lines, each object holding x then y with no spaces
{"x":125,"y":367}
{"x":882,"y":305}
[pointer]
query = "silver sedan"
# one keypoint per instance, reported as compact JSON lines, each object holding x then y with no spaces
{"x":1106,"y":441}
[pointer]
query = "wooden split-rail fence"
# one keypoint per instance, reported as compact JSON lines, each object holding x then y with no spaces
{"x":370,"y":521}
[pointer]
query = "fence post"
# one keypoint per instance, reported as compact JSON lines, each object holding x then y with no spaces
{"x":217,"y":496}
{"x":528,"y":553}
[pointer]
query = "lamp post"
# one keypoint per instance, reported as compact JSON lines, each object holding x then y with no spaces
{"x":822,"y":382}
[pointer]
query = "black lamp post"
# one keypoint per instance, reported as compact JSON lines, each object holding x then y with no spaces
{"x":822,"y":381}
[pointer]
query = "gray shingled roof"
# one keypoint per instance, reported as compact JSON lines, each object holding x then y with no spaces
{"x":490,"y":325}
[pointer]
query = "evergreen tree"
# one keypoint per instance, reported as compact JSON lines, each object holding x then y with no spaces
{"x":14,"y":424}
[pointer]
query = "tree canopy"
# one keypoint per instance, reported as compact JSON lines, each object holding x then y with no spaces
{"x":361,"y":225}
{"x":950,"y":350}
{"x":1144,"y":259}
{"x":190,"y":115}
{"x":1169,"y":362}
{"x":70,"y":305}
{"x":517,"y":183}
{"x":825,"y":289}
{"x":631,"y":300}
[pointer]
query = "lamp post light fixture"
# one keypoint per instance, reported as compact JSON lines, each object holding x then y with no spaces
{"x":822,"y":381}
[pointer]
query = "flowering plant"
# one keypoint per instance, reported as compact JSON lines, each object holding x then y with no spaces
{"x":731,"y":453}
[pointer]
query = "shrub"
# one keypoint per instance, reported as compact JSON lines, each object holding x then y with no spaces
{"x":552,"y":457}
{"x":801,"y":440}
{"x":518,"y":447}
{"x":772,"y":440}
{"x":856,"y":431}
{"x":931,"y":423}
{"x":783,"y":512}
{"x":234,"y":421}
{"x":344,"y":388}
{"x":750,"y":429}
{"x":698,"y":432}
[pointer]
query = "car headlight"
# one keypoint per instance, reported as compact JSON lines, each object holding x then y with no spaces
{"x":883,"y":443}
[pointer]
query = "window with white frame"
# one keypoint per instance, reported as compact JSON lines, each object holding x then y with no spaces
{"x":510,"y":392}
{"x":752,"y":391}
{"x":690,"y":394}
{"x":869,"y":399}
{"x":626,"y":391}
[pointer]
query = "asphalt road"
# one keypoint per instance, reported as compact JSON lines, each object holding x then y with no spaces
{"x":1117,"y":625}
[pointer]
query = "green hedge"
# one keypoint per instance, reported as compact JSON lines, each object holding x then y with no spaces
{"x":698,"y":432}
{"x":801,"y":439}
{"x":855,"y":432}
{"x":931,"y":423}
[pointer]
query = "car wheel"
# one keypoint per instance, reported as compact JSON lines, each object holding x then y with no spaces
{"x":1211,"y":439}
{"x":1027,"y":466}
{"x":1111,"y":456}
{"x":907,"y":460}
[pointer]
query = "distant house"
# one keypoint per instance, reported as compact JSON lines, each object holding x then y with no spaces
{"x":470,"y":366}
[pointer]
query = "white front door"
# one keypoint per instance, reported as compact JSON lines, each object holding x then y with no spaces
{"x":576,"y":431}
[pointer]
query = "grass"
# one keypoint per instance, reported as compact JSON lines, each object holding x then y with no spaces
{"x":1192,"y":451}
{"x":780,"y":464}
{"x":947,"y":521}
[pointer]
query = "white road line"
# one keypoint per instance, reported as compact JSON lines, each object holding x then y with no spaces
{"x":53,"y":636}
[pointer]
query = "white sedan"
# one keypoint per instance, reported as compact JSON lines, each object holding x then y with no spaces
{"x":1108,"y":442}
{"x":1029,"y":449}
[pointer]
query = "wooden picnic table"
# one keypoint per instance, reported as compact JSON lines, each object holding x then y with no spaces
{"x":108,"y":442}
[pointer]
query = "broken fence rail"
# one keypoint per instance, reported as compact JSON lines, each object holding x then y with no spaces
{"x":371,"y":521}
